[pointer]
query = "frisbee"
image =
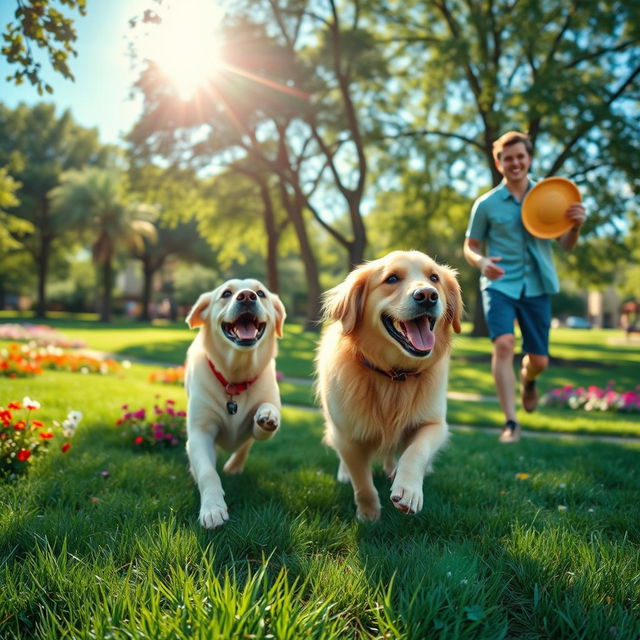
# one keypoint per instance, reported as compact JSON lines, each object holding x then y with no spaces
{"x":544,"y":207}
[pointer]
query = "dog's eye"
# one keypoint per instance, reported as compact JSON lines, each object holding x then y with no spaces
{"x":226,"y":294}
{"x":434,"y":277}
{"x":392,"y":279}
{"x":260,"y":293}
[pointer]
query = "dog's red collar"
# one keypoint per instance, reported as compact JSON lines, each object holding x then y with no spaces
{"x":232,"y":388}
{"x":396,"y":375}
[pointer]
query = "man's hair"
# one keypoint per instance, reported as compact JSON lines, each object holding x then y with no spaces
{"x":509,"y":138}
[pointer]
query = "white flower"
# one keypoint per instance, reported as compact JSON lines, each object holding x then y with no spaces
{"x":29,"y":403}
{"x":70,"y":425}
{"x":126,"y":364}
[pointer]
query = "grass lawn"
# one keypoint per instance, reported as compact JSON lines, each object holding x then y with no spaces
{"x":531,"y":541}
{"x":579,"y":358}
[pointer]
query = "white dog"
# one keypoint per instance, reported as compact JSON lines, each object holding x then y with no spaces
{"x":231,"y":383}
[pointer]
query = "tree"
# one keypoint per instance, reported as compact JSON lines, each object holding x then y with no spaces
{"x":10,"y":224}
{"x":565,"y":72}
{"x":38,"y":23}
{"x":36,"y":146}
{"x":285,"y":111}
{"x":95,"y":201}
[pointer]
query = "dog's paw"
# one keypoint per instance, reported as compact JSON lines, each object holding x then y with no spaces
{"x":406,"y":496}
{"x":367,"y":507}
{"x":265,"y":422}
{"x":213,"y":515}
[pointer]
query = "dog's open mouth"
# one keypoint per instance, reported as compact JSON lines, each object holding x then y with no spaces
{"x":245,"y":330}
{"x":415,"y":336}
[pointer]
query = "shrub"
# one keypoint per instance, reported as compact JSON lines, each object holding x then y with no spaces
{"x":170,"y":375}
{"x":593,"y":398}
{"x":23,"y":439}
{"x":40,"y":334}
{"x":29,"y":360}
{"x":161,"y":427}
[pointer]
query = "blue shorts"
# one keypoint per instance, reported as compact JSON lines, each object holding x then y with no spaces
{"x":533,"y":315}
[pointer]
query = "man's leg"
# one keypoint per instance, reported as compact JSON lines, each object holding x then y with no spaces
{"x":534,"y":316}
{"x":532,"y":366}
{"x":503,"y":374}
{"x":500,"y":313}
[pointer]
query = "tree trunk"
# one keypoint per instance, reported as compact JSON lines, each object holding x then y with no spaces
{"x":147,"y":274}
{"x":43,"y":272}
{"x":272,"y":239}
{"x":359,"y":244}
{"x":295,"y":207}
{"x":107,"y":291}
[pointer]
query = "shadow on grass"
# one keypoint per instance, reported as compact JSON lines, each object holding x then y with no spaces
{"x":171,"y":353}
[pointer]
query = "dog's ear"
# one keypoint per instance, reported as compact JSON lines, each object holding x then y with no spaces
{"x":281,"y":314}
{"x":455,"y":306}
{"x":200,"y":311}
{"x":345,"y":302}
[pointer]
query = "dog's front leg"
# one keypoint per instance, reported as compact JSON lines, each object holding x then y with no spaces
{"x":406,"y":489}
{"x":357,"y":459}
{"x":202,"y":460}
{"x":266,"y":421}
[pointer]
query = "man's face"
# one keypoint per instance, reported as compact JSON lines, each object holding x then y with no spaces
{"x":514,"y":162}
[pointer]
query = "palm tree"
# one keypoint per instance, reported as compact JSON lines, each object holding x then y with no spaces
{"x":96,"y":202}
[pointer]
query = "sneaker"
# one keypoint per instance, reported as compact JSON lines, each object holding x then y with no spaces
{"x":510,"y":432}
{"x":529,"y":395}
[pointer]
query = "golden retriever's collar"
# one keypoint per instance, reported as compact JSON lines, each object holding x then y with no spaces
{"x":396,"y":375}
{"x":232,"y":388}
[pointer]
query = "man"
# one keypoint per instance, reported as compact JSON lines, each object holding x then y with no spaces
{"x":518,"y":276}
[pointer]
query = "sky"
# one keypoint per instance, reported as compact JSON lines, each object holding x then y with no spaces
{"x":103,"y":72}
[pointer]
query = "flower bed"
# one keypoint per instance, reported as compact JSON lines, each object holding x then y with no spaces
{"x":160,"y":427}
{"x":40,"y":334}
{"x":23,"y":439}
{"x":170,"y":375}
{"x":593,"y":398}
{"x":24,"y":360}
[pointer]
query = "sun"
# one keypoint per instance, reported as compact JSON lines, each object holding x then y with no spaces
{"x":186,"y":43}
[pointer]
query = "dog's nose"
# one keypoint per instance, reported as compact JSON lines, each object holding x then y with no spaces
{"x":247,"y":296}
{"x":427,"y":297}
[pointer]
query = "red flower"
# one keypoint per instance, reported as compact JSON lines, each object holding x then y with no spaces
{"x":65,"y":447}
{"x":20,"y":425}
{"x":23,"y":455}
{"x":46,"y":435}
{"x":139,"y":440}
{"x":14,"y":405}
{"x":37,"y":423}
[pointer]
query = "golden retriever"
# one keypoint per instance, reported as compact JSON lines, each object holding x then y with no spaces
{"x":231,"y":383}
{"x":382,"y":369}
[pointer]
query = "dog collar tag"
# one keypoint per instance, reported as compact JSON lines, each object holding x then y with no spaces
{"x":232,"y":407}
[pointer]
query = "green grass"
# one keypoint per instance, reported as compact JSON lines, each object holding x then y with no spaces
{"x":490,"y":556}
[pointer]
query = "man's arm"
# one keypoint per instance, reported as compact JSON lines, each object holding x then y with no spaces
{"x":577,"y":214}
{"x":472,"y":251}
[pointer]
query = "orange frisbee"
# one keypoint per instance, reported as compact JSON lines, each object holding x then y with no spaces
{"x":544,"y":207}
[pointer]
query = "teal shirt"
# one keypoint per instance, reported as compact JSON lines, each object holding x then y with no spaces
{"x":526,"y":260}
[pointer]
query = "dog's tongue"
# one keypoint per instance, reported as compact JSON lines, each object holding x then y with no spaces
{"x":246,"y":330}
{"x":419,"y":334}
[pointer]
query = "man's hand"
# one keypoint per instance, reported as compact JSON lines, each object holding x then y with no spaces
{"x":490,"y":269}
{"x":576,"y":213}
